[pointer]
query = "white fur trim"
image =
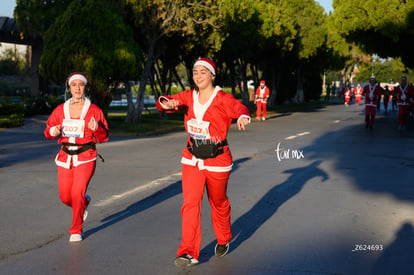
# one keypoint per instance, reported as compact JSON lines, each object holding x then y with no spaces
{"x":200,"y":163}
{"x":244,"y":116}
{"x":52,"y":131}
{"x":163,"y":105}
{"x":207,"y":65}
{"x":200,"y":109}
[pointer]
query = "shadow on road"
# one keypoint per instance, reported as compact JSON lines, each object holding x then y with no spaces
{"x":26,"y":143}
{"x":247,"y":224}
{"x":146,"y":203}
{"x":398,"y":258}
{"x":135,"y":208}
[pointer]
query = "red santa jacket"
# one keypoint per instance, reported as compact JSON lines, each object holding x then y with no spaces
{"x":404,"y":94}
{"x":358,"y":91}
{"x":215,"y":116}
{"x":262,"y":94}
{"x":100,"y":134}
{"x":371,"y":94}
{"x":347,"y":93}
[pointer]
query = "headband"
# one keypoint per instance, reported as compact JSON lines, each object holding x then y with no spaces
{"x":79,"y":77}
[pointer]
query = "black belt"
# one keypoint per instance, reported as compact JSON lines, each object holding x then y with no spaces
{"x":83,"y":147}
{"x":204,"y":149}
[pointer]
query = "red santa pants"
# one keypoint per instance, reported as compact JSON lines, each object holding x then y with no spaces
{"x":260,"y":105}
{"x":347,"y":98}
{"x":370,"y":115}
{"x":403,"y":114}
{"x":358,"y":99}
{"x":73,"y":183}
{"x":193,"y":183}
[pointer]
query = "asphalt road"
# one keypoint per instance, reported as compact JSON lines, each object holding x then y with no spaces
{"x":312,"y":192}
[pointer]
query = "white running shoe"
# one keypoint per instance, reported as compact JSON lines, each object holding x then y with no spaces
{"x":185,"y":260}
{"x":75,"y":238}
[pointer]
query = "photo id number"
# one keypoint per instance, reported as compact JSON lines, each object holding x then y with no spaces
{"x":368,"y":247}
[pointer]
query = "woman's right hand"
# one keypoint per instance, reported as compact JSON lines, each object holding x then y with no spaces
{"x":56,"y":131}
{"x":172,"y":104}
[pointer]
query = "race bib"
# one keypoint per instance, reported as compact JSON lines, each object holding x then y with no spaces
{"x":73,"y":128}
{"x":198,"y":129}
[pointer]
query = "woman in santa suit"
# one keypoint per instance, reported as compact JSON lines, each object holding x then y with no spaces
{"x":358,"y":93}
{"x":405,"y":95}
{"x":206,"y":160}
{"x":371,"y":93}
{"x":262,"y":94}
{"x":78,"y":124}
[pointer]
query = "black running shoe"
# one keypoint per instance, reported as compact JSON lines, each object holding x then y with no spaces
{"x":221,"y":249}
{"x":185,"y":260}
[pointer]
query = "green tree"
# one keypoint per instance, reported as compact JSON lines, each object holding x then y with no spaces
{"x":153,"y":20}
{"x":383,"y":27}
{"x":311,"y":33}
{"x":91,"y":37}
{"x":294,"y":33}
{"x":11,"y":63}
{"x":241,"y":40}
{"x":389,"y":70}
{"x":33,"y":18}
{"x":279,"y":32}
{"x":343,"y":56}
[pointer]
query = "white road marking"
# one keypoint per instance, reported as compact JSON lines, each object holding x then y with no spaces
{"x":336,"y":121}
{"x":168,"y":179}
{"x":297,"y":135}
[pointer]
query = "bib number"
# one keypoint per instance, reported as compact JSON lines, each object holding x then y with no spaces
{"x":73,"y":128}
{"x":198,"y":129}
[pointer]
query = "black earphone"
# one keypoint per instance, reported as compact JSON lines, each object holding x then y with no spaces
{"x":87,"y":86}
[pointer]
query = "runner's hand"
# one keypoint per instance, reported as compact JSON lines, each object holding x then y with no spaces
{"x":242,"y":123}
{"x":56,"y":131}
{"x":92,"y":124}
{"x":172,"y":104}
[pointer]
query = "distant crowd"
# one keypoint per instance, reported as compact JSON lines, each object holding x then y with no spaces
{"x":401,"y":96}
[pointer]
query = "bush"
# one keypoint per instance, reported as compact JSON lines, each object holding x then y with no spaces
{"x":14,"y":108}
{"x":9,"y":67}
{"x":39,"y":105}
{"x":14,"y":120}
{"x":7,"y":109}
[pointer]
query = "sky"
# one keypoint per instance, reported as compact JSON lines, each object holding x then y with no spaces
{"x":7,"y":6}
{"x":326,"y":4}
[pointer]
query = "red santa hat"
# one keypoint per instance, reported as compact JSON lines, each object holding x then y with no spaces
{"x":208,"y":63}
{"x":79,"y":77}
{"x":262,"y":82}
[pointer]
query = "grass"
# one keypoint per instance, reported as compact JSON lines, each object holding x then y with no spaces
{"x":14,"y":120}
{"x":151,"y":124}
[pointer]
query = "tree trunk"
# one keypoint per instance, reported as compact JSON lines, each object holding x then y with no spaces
{"x":178,"y":79}
{"x":36,"y":53}
{"x":129,"y":100}
{"x":245,"y":89}
{"x":276,"y":76}
{"x":300,"y":94}
{"x":136,"y":115}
